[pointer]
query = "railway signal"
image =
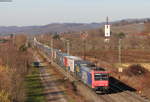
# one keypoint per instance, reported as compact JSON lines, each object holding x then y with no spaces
{"x":83,"y":35}
{"x":119,"y":51}
{"x":68,"y":47}
{"x":107,"y":31}
{"x":52,"y":49}
{"x":120,"y":36}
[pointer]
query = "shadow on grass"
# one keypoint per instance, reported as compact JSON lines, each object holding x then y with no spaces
{"x":34,"y":87}
{"x":54,"y":99}
{"x":117,"y":86}
{"x":48,"y":93}
{"x":36,"y":77}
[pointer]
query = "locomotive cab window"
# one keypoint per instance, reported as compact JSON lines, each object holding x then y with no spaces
{"x":101,"y":76}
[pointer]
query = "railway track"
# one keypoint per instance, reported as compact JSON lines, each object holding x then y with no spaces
{"x":55,"y":94}
{"x":51,"y":90}
{"x":91,"y":95}
{"x":84,"y":90}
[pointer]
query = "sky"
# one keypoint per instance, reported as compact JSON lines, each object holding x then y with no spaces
{"x":41,"y":12}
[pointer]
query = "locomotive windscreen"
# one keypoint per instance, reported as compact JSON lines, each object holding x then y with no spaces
{"x":100,"y":76}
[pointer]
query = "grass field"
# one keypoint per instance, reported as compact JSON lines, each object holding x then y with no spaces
{"x":34,"y":87}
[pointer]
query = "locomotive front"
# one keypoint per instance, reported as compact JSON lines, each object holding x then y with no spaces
{"x":100,"y":80}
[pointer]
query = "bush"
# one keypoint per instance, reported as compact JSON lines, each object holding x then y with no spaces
{"x":136,"y":70}
{"x":4,"y":96}
{"x":23,"y":48}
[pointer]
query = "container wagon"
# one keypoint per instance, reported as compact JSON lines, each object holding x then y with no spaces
{"x":70,"y":62}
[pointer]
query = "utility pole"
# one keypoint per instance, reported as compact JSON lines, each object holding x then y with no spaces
{"x":27,"y":42}
{"x":68,"y":52}
{"x":68,"y":47}
{"x":120,"y":69}
{"x":52,"y":49}
{"x":121,"y":35}
{"x":84,"y":51}
{"x":84,"y":35}
{"x":119,"y":51}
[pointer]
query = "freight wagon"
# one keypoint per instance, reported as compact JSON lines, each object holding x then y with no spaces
{"x":70,"y":62}
{"x":82,"y":63}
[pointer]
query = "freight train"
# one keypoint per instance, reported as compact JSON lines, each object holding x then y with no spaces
{"x":91,"y":75}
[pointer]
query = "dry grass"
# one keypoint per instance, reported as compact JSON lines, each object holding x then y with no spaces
{"x":16,"y":64}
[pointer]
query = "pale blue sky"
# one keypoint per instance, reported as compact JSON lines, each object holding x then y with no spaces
{"x":40,"y":12}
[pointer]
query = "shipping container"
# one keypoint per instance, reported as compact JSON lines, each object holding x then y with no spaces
{"x":65,"y":61}
{"x":71,"y":60}
{"x":60,"y":58}
{"x":63,"y":55}
{"x":86,"y":76}
{"x":79,"y":64}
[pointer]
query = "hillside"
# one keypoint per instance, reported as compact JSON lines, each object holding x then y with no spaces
{"x":55,"y":27}
{"x":126,"y":25}
{"x":129,"y":28}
